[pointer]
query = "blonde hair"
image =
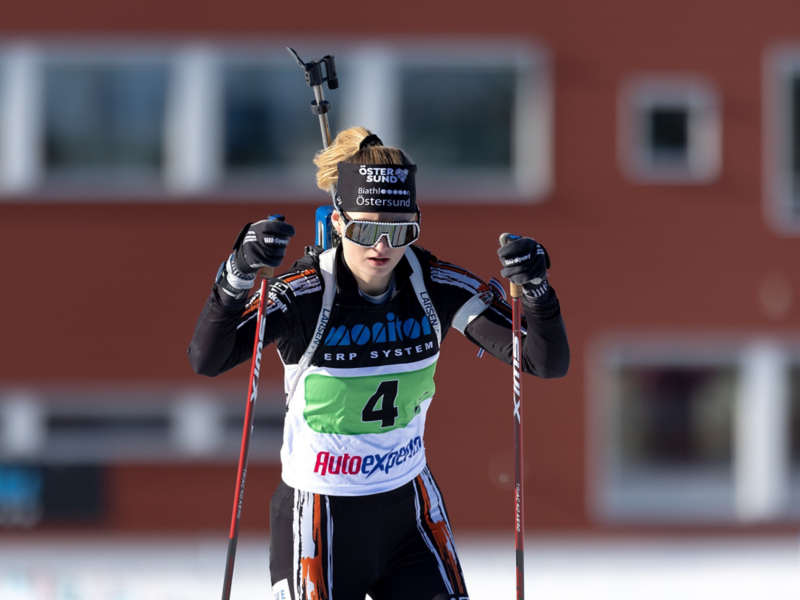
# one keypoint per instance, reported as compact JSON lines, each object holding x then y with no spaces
{"x":346,"y":148}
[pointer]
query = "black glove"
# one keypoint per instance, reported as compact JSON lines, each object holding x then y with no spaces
{"x":261,"y":244}
{"x":525,"y":262}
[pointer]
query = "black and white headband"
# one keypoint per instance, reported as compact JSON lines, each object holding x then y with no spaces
{"x":376,"y":188}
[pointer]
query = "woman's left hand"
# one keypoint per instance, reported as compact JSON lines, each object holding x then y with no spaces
{"x":525,"y":262}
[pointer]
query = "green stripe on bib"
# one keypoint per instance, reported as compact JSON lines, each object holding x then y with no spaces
{"x":371,"y":404}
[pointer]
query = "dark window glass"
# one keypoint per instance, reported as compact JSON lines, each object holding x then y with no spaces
{"x":264,"y":422}
{"x":3,"y":83}
{"x":795,"y":143}
{"x":106,"y":424}
{"x":458,"y":117}
{"x":268,"y":121}
{"x":35,"y":493}
{"x":669,"y":132}
{"x":74,"y":493}
{"x":104,"y":121}
{"x":676,"y":416}
{"x":794,"y":415}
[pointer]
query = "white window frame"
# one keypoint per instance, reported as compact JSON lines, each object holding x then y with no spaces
{"x":760,"y":484}
{"x":193,"y":133}
{"x":20,"y":119}
{"x":643,"y":93}
{"x":193,"y":136}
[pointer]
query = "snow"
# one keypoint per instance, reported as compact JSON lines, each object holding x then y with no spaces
{"x":191,"y":568}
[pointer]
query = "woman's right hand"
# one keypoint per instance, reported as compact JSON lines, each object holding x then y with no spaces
{"x":262,"y":244}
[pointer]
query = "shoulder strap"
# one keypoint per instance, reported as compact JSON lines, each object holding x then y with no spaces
{"x":418,"y":281}
{"x":327,"y":267}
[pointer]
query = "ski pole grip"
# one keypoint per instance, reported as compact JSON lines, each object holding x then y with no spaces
{"x":516,"y":289}
{"x":267,"y":272}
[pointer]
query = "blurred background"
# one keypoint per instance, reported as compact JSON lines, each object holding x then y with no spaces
{"x":653,"y":148}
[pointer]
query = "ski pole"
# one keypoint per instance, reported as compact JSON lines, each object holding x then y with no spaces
{"x":516,"y":320}
{"x":315,"y":77}
{"x":244,"y":453}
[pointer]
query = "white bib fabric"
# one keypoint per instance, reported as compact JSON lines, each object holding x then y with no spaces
{"x":358,"y":431}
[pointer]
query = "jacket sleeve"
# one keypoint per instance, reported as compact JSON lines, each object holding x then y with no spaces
{"x":545,"y":349}
{"x":224,"y":336}
{"x":468,"y":304}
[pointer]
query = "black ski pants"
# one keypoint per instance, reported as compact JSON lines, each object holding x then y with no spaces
{"x":395,"y":545}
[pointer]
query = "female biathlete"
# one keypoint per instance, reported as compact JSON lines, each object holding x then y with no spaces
{"x":358,"y":330}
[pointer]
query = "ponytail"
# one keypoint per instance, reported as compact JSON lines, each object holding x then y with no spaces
{"x":347,"y":148}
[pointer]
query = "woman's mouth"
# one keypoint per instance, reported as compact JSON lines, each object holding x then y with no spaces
{"x":377,"y":261}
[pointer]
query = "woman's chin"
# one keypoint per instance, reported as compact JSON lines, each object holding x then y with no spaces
{"x":374,"y":272}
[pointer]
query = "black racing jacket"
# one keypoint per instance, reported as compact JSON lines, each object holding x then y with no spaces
{"x":224,"y":335}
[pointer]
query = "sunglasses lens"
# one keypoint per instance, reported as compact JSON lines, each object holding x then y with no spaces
{"x":362,"y":233}
{"x":368,"y":233}
{"x":404,"y":235}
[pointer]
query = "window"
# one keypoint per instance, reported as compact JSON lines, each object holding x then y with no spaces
{"x":695,"y":431}
{"x":793,"y":427}
{"x":3,"y":101}
{"x":444,"y":132}
{"x":782,"y":140}
{"x":794,"y":422}
{"x":666,"y":432}
{"x":477,"y":122}
{"x":56,"y":442}
{"x":669,"y":131}
{"x":676,"y":416}
{"x":31,"y":494}
{"x":104,"y":121}
{"x":214,"y":121}
{"x":117,"y":425}
{"x":269,"y":130}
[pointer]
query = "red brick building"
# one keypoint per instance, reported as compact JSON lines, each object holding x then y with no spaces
{"x":651,"y":147}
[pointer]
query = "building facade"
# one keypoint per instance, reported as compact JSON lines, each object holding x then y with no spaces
{"x":653,"y":149}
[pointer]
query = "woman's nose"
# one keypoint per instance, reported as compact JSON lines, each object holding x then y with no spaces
{"x":382,"y":245}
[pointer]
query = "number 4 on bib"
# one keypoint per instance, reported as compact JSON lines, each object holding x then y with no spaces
{"x":387,"y":413}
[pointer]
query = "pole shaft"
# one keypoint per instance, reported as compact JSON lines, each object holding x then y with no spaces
{"x":518,"y":467}
{"x":241,"y":476}
{"x":324,"y":127}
